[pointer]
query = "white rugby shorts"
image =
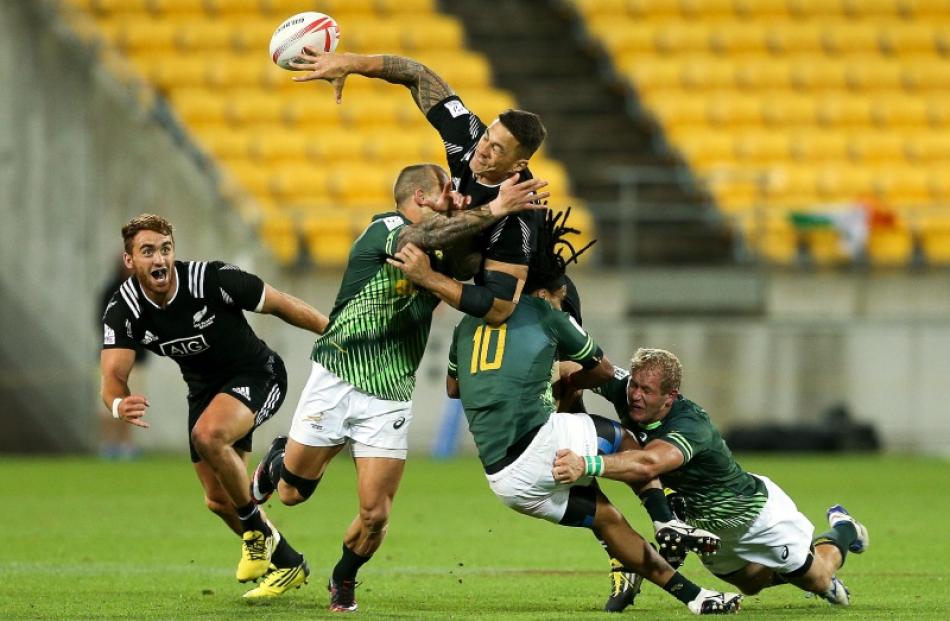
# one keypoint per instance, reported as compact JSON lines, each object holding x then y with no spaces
{"x":779,"y":538}
{"x":331,"y":412}
{"x":527,"y":484}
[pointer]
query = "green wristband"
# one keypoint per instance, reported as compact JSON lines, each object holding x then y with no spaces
{"x":593,"y":465}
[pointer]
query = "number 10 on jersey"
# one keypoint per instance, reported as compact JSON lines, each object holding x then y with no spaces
{"x":483,"y":348}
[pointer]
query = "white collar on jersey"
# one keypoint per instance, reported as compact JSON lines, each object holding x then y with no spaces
{"x":174,"y":295}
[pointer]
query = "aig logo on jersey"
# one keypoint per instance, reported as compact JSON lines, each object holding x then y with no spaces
{"x":188,"y":346}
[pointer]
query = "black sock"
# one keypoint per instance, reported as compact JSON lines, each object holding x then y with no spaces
{"x":251,"y":518}
{"x":348,"y":565}
{"x":284,"y":554}
{"x":275,"y":468}
{"x":841,"y":535}
{"x":681,"y":588}
{"x":654,"y":501}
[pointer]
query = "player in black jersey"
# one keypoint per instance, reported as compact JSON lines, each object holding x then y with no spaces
{"x":193,"y":312}
{"x":484,"y":160}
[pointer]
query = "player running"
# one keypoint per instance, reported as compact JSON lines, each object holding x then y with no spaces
{"x":192,"y":312}
{"x":766,"y":541}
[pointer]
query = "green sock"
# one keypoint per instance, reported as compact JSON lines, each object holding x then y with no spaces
{"x":841,"y":535}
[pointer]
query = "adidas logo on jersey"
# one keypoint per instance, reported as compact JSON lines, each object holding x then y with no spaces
{"x":244,"y":391}
{"x":148,"y":338}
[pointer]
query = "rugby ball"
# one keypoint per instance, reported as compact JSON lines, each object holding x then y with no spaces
{"x":310,"y":29}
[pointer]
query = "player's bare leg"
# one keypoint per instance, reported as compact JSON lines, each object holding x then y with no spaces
{"x":225,"y":421}
{"x":300,"y":470}
{"x":378,"y":479}
{"x":626,"y":545}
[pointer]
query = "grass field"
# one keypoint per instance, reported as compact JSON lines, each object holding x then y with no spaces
{"x":94,"y":540}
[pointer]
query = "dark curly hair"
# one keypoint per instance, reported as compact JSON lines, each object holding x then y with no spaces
{"x":548,"y":264}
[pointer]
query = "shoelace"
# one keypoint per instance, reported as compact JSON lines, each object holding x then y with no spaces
{"x":256,"y":548}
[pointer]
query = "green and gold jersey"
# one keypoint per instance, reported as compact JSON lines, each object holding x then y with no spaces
{"x":718,"y":492}
{"x":380,"y":321}
{"x":505,"y":372}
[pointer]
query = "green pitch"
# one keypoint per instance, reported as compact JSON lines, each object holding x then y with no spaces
{"x":92,"y":540}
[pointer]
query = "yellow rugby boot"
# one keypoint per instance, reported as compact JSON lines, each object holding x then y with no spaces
{"x":279,"y":580}
{"x":256,"y":550}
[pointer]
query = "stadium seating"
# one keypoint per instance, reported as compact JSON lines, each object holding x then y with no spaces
{"x":315,"y":169}
{"x":790,"y":105}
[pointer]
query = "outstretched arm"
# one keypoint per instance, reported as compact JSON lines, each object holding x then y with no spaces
{"x":425,"y":85}
{"x":293,"y":310}
{"x":635,"y":466}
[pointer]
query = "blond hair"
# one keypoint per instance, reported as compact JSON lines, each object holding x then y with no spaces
{"x":662,"y":362}
{"x":146,"y":222}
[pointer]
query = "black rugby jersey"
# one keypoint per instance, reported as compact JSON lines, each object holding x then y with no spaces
{"x":203,"y":327}
{"x":514,"y":238}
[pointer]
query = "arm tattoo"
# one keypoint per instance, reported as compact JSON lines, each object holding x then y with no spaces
{"x":426,"y":86}
{"x":436,"y":231}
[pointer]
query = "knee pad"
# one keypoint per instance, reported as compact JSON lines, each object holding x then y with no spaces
{"x":303,"y":486}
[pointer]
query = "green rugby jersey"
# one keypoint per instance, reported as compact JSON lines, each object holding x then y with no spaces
{"x":718,"y":492}
{"x":380,"y":321}
{"x":505,"y":373}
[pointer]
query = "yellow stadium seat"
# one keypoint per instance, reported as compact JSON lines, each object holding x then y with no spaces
{"x":707,"y":149}
{"x":251,"y":35}
{"x":118,"y":7}
{"x":734,"y":110}
{"x":808,"y":9}
{"x":143,"y":34}
{"x":844,"y":183}
{"x":209,"y":36}
{"x":433,"y":34}
{"x":651,"y":9}
{"x":776,"y":241}
{"x":757,"y":9}
{"x":876,"y":147}
{"x":224,"y":142}
{"x":177,"y":7}
{"x":370,"y":36}
{"x":336,"y":145}
{"x":559,"y":183}
{"x":410,"y":7}
{"x":173,"y":72}
{"x":707,"y":74}
{"x":242,"y":174}
{"x":255,"y":107}
{"x":757,"y":147}
{"x":280,"y":234}
{"x":277,"y":146}
{"x":598,"y":8}
{"x":676,"y":110}
{"x":224,"y":7}
{"x":817,"y":73}
{"x":926,"y":75}
{"x":647,"y":74}
{"x":362,"y":184}
{"x":198,"y":105}
{"x":621,"y":38}
{"x":939,"y":184}
{"x":462,"y":70}
{"x":890,"y":247}
{"x":850,"y":37}
{"x":300,"y":182}
{"x":938,"y":112}
{"x":871,"y":8}
{"x":814,"y":146}
{"x":793,"y":38}
{"x":369,"y":113}
{"x":729,"y":38}
{"x":311,"y":110}
{"x":904,"y":185}
{"x":795,"y":184}
{"x":788,"y":110}
{"x":763,"y":74}
{"x":928,"y":147}
{"x":681,"y":37}
{"x":399,"y":147}
{"x":898,"y":111}
{"x":873,"y":74}
{"x":914,"y":38}
{"x":842,"y":110}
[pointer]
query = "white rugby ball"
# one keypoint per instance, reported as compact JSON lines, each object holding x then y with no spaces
{"x":310,"y":29}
